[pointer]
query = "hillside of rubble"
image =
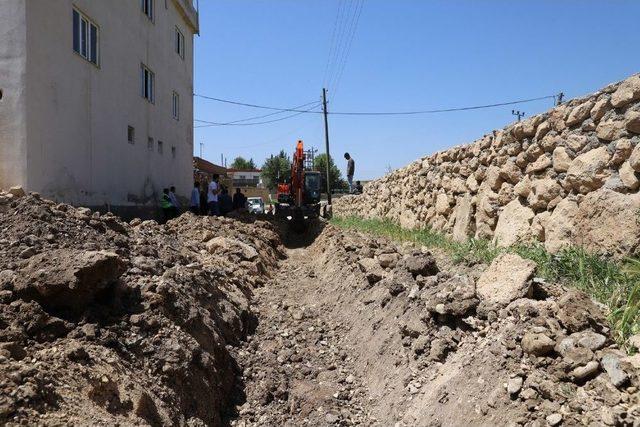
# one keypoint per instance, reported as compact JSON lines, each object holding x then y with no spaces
{"x":218,"y":321}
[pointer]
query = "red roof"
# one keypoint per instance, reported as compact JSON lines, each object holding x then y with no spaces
{"x":244,"y":170}
{"x":207,"y":166}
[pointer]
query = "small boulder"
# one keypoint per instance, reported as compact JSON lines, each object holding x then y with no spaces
{"x":514,"y":386}
{"x":372,"y":270}
{"x":388,"y":260}
{"x":634,"y":158}
{"x":629,"y":177}
{"x":231,"y":246}
{"x":17,"y":192}
{"x":421,"y":264}
{"x":537,"y":344}
{"x":611,"y":364}
{"x":455,"y":296}
{"x":582,"y":373}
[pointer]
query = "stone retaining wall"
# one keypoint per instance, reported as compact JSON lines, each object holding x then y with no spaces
{"x":568,"y":176}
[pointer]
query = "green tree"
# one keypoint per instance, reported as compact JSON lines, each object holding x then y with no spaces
{"x":275,"y":169}
{"x":320,"y":164}
{"x":243,"y":164}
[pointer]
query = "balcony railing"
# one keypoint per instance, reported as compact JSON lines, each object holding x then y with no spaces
{"x":246,"y":182}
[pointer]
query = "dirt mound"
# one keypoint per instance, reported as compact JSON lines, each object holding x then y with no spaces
{"x":360,"y":331}
{"x":105,"y":323}
{"x":198,"y":322}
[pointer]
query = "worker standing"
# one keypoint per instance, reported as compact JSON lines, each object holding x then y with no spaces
{"x":194,"y":204}
{"x":165,"y":204}
{"x":239,"y":200}
{"x":212,"y":196}
{"x":351,"y":168}
{"x":174,"y":200}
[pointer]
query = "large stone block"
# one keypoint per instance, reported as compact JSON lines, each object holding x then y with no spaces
{"x":588,"y":171}
{"x":607,"y":223}
{"x":628,"y":92}
{"x":505,"y":280}
{"x":580,"y":113}
{"x":632,"y":121}
{"x":560,"y":227}
{"x":610,"y":130}
{"x":464,"y":226}
{"x":561,"y":159}
{"x":514,"y":224}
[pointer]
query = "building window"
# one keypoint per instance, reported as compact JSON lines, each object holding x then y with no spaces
{"x":173,"y":152}
{"x":147,"y":8}
{"x":147,"y":83}
{"x":160,"y":147}
{"x":131,"y":134}
{"x":85,"y":37}
{"x":176,"y":106}
{"x":179,"y":43}
{"x":150,"y":144}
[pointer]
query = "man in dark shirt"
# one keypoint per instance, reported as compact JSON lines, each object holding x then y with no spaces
{"x":351,"y":168}
{"x":226,"y":205}
{"x":239,"y":200}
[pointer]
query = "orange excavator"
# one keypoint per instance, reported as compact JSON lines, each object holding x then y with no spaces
{"x":299,"y":196}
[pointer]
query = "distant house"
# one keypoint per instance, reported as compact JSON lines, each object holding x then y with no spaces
{"x":246,"y":178}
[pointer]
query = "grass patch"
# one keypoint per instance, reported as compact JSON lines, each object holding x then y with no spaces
{"x":614,"y":284}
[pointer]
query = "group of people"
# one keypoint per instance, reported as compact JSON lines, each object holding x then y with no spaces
{"x":213,"y":199}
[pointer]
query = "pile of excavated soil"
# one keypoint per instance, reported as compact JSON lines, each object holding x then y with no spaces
{"x":360,"y":331}
{"x":202,"y":321}
{"x":108,"y":323}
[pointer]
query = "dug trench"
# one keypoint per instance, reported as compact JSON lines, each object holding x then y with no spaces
{"x":209,"y":321}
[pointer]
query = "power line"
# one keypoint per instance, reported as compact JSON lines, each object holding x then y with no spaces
{"x":332,"y":43}
{"x":343,"y":31}
{"x":443,"y":110}
{"x":345,"y":57}
{"x":226,"y":101}
{"x":254,"y":117}
{"x":383,"y":113}
{"x":210,"y":124}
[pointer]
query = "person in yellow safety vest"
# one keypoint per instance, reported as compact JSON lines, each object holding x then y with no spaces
{"x":165,"y":204}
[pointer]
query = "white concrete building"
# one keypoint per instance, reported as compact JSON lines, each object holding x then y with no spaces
{"x":246,"y":178}
{"x":96,"y":99}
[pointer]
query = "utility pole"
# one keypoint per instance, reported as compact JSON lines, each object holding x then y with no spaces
{"x":326,"y":139}
{"x":221,"y":159}
{"x":201,"y":146}
{"x":559,"y":98}
{"x":517,"y":113}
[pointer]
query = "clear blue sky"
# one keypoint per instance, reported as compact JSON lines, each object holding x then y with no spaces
{"x":406,"y":55}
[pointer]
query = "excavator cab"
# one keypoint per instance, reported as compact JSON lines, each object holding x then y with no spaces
{"x":312,"y":187}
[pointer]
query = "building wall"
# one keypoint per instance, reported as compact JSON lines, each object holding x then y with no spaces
{"x":13,"y":65}
{"x":78,"y":114}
